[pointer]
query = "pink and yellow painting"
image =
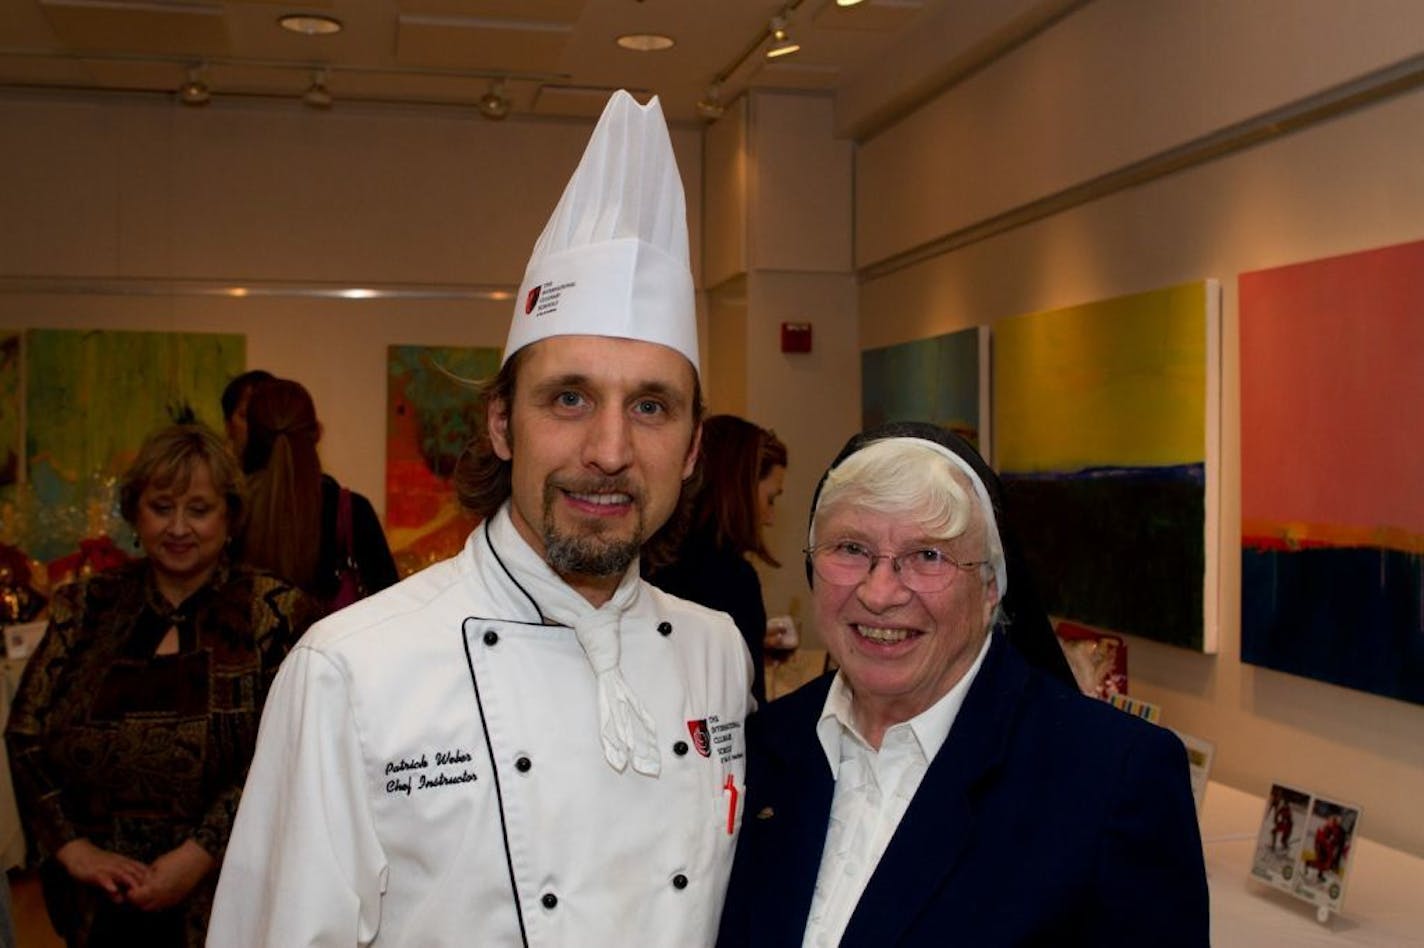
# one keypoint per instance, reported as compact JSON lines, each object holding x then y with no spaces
{"x":1332,"y":510}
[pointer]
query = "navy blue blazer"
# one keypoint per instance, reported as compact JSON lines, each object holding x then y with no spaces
{"x":1047,"y":818}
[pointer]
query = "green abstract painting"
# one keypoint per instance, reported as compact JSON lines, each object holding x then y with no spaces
{"x":91,"y":397}
{"x":9,"y":408}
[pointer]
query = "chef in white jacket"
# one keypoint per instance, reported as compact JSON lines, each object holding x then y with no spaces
{"x":525,"y":744}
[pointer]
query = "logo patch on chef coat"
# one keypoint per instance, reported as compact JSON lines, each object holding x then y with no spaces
{"x":701,"y":737}
{"x":726,"y":738}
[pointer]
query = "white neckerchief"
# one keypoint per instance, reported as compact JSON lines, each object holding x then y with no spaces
{"x":624,"y":724}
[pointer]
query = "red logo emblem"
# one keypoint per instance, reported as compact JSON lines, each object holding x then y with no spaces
{"x":701,"y":737}
{"x":531,"y":300}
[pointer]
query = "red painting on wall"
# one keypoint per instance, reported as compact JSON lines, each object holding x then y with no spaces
{"x":430,"y":397}
{"x":1332,"y":511}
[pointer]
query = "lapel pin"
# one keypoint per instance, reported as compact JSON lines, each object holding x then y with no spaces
{"x":765,"y":813}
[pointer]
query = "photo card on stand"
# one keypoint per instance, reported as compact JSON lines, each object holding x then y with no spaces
{"x":1278,"y":844}
{"x":1325,"y":852}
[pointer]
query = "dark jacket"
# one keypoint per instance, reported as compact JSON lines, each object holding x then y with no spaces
{"x":721,"y":579}
{"x":368,"y":544}
{"x":1047,"y":818}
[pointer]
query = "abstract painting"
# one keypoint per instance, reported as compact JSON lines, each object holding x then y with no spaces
{"x":936,"y":380}
{"x":10,"y":432}
{"x":1106,"y":434}
{"x":1332,"y":470}
{"x":91,"y":398}
{"x":429,"y":420}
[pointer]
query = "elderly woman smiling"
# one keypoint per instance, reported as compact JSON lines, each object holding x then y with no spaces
{"x":136,"y":718}
{"x":940,"y":789}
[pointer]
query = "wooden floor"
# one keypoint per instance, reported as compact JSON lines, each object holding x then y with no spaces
{"x":32,"y":928}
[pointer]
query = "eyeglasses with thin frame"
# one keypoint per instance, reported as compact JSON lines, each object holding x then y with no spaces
{"x":849,"y":562}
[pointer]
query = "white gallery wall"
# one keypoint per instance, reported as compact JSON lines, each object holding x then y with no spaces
{"x":1114,"y":83}
{"x":141,"y":191}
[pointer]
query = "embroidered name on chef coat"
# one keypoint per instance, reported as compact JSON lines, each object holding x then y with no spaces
{"x":451,"y":768}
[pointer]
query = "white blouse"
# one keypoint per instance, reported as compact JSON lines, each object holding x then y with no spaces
{"x":873,"y":791}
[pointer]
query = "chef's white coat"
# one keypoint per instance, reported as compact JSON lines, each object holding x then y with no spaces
{"x":430,"y":752}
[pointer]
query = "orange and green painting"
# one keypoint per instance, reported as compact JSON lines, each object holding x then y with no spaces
{"x":935,"y":380}
{"x":91,"y":397}
{"x":1105,"y":434}
{"x":429,"y":420}
{"x":1332,"y":470}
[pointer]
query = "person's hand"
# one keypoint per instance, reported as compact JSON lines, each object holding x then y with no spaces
{"x":171,"y":877}
{"x":89,"y":864}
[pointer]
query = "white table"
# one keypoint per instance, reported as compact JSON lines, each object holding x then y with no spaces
{"x":1384,"y":890}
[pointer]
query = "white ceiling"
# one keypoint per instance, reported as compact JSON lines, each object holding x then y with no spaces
{"x":556,"y":57}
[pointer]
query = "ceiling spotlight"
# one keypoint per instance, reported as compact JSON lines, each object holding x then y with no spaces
{"x":645,"y":42}
{"x":195,"y":91}
{"x":317,"y":96}
{"x":494,"y":104}
{"x":310,"y":24}
{"x":710,"y":105}
{"x":847,"y":3}
{"x":781,"y":42}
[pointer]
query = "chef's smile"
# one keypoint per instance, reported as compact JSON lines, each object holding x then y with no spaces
{"x":600,"y":504}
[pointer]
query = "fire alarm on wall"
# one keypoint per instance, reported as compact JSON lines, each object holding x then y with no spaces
{"x":795,"y":337}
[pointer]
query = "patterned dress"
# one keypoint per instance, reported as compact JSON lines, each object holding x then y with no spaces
{"x":138,"y":752}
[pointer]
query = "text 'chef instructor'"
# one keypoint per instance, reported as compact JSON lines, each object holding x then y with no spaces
{"x":525,"y":744}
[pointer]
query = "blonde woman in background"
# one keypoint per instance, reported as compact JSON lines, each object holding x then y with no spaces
{"x":135,"y":721}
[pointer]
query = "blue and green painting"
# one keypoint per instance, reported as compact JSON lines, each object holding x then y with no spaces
{"x":935,"y":380}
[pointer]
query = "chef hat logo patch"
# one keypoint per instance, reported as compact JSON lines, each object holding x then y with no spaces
{"x":701,"y":737}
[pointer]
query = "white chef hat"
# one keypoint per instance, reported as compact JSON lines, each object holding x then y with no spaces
{"x":613,"y":259}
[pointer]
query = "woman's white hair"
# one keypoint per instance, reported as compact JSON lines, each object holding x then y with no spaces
{"x":918,"y":480}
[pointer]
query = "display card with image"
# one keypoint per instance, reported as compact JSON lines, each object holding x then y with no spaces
{"x":1199,"y":755}
{"x":1304,"y":845}
{"x":1278,"y":844}
{"x":1325,"y":852}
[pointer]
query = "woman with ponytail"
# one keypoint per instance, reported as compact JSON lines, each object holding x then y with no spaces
{"x":303,"y":525}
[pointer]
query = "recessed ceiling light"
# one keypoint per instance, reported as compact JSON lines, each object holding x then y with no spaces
{"x":645,"y":42}
{"x":310,"y":24}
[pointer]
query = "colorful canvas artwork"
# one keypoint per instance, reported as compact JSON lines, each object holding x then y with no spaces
{"x":1332,"y":510}
{"x":429,"y":421}
{"x":91,"y":398}
{"x":936,"y":380}
{"x":1106,"y":434}
{"x":10,"y":413}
